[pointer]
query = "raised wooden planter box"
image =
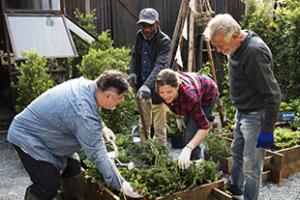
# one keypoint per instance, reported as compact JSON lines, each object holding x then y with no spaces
{"x":225,"y":163}
{"x":97,"y":191}
{"x":284,"y":163}
{"x":200,"y":192}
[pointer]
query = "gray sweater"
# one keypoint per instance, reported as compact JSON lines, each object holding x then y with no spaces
{"x":252,"y":82}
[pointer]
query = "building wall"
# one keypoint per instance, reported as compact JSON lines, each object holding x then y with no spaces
{"x":120,"y":16}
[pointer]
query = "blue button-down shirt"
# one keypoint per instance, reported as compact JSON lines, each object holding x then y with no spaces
{"x":61,"y":121}
{"x":146,"y":67}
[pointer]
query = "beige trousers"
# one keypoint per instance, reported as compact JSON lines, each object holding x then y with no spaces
{"x":156,"y":113}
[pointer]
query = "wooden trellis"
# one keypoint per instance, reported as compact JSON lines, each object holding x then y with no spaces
{"x":204,"y":12}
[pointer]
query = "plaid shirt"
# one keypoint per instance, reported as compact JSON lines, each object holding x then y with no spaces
{"x":195,"y":91}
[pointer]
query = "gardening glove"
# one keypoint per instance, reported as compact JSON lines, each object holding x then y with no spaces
{"x":181,"y":124}
{"x":184,"y":158}
{"x":265,"y":139}
{"x":128,"y":191}
{"x":108,"y":134}
{"x":132,"y":79}
{"x":144,"y":92}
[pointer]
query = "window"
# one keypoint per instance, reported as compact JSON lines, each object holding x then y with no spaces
{"x":33,"y":4}
{"x":45,"y":34}
{"x":79,"y":31}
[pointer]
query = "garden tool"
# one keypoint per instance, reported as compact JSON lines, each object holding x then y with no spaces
{"x":130,"y":165}
{"x":143,"y":134}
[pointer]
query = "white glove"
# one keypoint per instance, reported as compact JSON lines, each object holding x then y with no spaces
{"x":132,"y":79}
{"x":144,"y":92}
{"x":108,"y":134}
{"x":181,"y":124}
{"x":184,"y":158}
{"x":128,"y":191}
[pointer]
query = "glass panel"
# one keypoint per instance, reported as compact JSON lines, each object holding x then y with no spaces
{"x":46,"y":35}
{"x":33,"y":4}
{"x":79,"y":31}
{"x":50,"y":4}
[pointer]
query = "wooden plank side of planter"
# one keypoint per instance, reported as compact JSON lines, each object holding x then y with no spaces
{"x":97,"y":191}
{"x":266,"y":175}
{"x":199,"y":192}
{"x":217,"y":194}
{"x":284,"y":163}
{"x":225,"y":163}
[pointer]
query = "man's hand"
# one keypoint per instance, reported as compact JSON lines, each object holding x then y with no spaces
{"x":265,"y":139}
{"x":184,"y":158}
{"x":108,"y":134}
{"x":181,"y":124}
{"x":128,"y":191}
{"x":144,"y":92}
{"x":132,"y":79}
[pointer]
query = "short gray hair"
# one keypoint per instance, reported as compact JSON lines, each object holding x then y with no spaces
{"x":221,"y":24}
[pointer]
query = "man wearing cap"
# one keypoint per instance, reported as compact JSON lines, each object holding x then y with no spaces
{"x":149,"y":56}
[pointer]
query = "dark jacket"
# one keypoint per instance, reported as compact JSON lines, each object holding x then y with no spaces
{"x":159,"y":59}
{"x":252,"y":82}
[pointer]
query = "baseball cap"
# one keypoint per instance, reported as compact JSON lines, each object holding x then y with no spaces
{"x":148,"y":15}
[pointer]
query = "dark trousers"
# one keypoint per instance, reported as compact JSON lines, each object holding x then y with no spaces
{"x":45,"y":177}
{"x":192,"y":128}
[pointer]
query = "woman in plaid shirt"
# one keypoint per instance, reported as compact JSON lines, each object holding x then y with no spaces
{"x":193,"y":96}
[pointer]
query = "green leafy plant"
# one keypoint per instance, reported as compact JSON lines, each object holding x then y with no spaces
{"x":98,"y":60}
{"x":157,"y":175}
{"x":285,"y":138}
{"x":280,"y":29}
{"x":33,"y":80}
{"x":86,"y":22}
{"x":215,"y":145}
{"x":107,"y":57}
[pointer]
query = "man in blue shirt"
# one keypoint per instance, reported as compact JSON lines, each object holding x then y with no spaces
{"x":57,"y":124}
{"x":149,"y":56}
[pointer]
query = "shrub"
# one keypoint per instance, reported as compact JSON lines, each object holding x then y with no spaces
{"x":280,"y":29}
{"x":33,"y":80}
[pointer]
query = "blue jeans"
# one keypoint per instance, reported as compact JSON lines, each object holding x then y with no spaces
{"x":191,"y":130}
{"x":248,"y":160}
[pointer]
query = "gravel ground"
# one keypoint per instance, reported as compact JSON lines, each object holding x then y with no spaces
{"x":14,"y":178}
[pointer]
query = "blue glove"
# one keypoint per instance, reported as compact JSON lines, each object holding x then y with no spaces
{"x":144,"y":92}
{"x":265,"y":139}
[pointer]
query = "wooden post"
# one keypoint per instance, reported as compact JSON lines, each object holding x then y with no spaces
{"x":178,"y":31}
{"x":213,"y":72}
{"x":191,"y":57}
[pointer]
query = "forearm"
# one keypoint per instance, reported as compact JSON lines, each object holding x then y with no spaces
{"x":198,"y":138}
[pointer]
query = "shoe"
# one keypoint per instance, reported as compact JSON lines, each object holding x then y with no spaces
{"x":236,"y":193}
{"x":29,"y":195}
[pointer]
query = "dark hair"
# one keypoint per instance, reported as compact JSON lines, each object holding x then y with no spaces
{"x":112,"y":79}
{"x":167,"y":77}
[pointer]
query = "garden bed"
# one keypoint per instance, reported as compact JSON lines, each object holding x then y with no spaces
{"x":284,"y":162}
{"x":97,"y":191}
{"x":225,"y":163}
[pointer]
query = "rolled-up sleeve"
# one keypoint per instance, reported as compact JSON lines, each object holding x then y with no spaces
{"x":89,"y":135}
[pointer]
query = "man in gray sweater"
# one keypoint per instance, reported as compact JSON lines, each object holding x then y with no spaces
{"x":255,"y":94}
